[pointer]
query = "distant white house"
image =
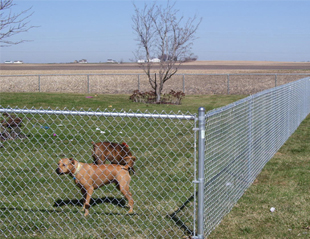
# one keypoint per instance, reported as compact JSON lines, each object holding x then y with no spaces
{"x":8,"y":62}
{"x":111,"y":61}
{"x":18,"y":62}
{"x":155,"y":60}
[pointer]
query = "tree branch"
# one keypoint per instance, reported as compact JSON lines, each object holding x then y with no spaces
{"x":12,"y":24}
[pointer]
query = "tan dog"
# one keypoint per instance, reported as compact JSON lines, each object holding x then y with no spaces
{"x":114,"y":152}
{"x":90,"y":177}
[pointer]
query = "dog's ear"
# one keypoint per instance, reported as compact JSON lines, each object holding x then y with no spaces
{"x":125,"y":145}
{"x":71,"y":159}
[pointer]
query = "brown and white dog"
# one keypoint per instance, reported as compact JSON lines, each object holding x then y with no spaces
{"x":114,"y":152}
{"x":89,"y":177}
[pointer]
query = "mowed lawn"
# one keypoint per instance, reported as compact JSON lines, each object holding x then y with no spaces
{"x":190,"y":103}
{"x":283,"y":183}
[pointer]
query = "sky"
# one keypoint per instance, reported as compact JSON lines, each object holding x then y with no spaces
{"x":97,"y":30}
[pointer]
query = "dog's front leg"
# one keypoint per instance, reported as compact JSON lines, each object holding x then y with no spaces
{"x":84,"y":192}
{"x":88,"y":193}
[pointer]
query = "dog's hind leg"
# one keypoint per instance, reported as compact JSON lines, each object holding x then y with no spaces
{"x":125,"y":191}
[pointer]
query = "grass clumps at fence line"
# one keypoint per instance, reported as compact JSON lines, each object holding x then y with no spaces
{"x":149,"y":97}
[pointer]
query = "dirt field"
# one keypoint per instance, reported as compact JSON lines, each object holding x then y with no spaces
{"x":190,"y":67}
{"x":124,"y":79}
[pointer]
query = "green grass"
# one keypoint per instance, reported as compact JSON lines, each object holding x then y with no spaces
{"x":118,"y":102}
{"x":36,"y":202}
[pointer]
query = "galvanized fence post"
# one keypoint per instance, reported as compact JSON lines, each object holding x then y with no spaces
{"x":183,"y":83}
{"x":39,"y":83}
{"x":88,"y":86}
{"x":227,"y":84}
{"x":250,"y":139}
{"x":201,"y":178}
{"x":275,"y":80}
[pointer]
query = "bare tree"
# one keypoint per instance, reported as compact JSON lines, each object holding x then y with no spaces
{"x":162,"y":33}
{"x":12,"y":24}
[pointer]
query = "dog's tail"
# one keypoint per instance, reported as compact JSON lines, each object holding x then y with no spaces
{"x":125,"y":167}
{"x":130,"y":162}
{"x":131,"y":170}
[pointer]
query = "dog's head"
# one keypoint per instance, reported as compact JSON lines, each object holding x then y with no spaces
{"x":65,"y":166}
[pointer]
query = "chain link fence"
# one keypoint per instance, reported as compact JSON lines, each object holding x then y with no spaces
{"x":242,"y":137}
{"x":36,"y":201}
{"x":234,"y":143}
{"x":127,"y":83}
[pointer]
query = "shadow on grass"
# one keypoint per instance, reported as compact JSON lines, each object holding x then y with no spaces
{"x":178,"y":221}
{"x":120,"y":202}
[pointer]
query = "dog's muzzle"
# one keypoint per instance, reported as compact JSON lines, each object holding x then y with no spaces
{"x":59,"y":172}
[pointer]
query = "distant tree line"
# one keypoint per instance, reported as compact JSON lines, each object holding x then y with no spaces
{"x":166,"y":57}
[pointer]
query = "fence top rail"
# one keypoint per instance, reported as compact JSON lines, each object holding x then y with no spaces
{"x":94,"y":113}
{"x":179,"y":74}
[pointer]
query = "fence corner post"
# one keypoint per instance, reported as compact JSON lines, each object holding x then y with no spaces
{"x":275,"y":80}
{"x":201,"y":178}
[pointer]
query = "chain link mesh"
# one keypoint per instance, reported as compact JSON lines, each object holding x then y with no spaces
{"x":242,"y":137}
{"x":36,"y":201}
